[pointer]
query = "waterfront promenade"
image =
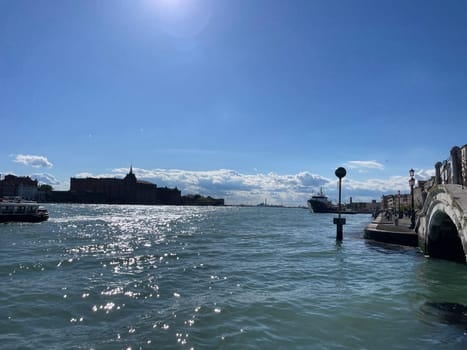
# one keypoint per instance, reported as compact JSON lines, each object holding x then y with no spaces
{"x":392,"y":230}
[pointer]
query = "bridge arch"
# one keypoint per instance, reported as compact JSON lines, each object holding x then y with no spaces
{"x":443,"y":223}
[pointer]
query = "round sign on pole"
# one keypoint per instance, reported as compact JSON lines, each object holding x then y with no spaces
{"x":340,"y":172}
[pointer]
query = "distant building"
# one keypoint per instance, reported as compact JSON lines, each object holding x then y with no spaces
{"x":90,"y":190}
{"x":396,"y":202}
{"x":450,"y":171}
{"x":454,"y":169}
{"x":363,"y":207}
{"x":18,"y":186}
{"x":117,"y":191}
{"x":196,"y":199}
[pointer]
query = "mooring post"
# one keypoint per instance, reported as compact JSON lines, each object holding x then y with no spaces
{"x":339,"y":221}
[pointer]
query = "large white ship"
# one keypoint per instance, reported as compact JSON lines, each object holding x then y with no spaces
{"x":320,"y":203}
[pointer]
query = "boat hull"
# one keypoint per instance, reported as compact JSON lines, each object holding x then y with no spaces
{"x":23,"y":218}
{"x":321,"y":207}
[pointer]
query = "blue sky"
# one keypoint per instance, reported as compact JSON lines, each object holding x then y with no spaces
{"x":243,"y":99}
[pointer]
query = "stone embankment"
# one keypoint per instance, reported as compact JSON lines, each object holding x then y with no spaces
{"x":392,"y":230}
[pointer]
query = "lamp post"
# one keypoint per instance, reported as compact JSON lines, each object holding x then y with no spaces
{"x":412,"y":213}
{"x":399,"y":204}
{"x":339,"y":222}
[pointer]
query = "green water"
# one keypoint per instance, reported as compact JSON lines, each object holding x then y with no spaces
{"x":137,"y":277}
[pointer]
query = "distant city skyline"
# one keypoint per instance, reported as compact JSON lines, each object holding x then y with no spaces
{"x":238,"y":188}
{"x":245,"y":100}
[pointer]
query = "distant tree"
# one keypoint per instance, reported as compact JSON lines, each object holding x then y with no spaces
{"x":45,"y":188}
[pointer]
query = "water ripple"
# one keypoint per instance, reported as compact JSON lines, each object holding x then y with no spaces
{"x":102,"y":276}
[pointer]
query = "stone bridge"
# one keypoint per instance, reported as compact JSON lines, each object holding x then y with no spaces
{"x":442,"y":223}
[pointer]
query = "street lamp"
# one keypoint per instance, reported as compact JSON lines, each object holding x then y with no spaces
{"x":399,"y":204}
{"x":412,"y":183}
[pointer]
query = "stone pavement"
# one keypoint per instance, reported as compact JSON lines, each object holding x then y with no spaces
{"x":392,"y":231}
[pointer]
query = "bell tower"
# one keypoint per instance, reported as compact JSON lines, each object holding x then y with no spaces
{"x":130,"y":177}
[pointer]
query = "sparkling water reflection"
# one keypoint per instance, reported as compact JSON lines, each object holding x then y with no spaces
{"x":131,"y":277}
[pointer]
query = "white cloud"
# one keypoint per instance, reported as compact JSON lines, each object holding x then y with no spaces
{"x":84,"y":175}
{"x":288,"y":189}
{"x":423,"y":174}
{"x":365,"y":164}
{"x":45,"y":178}
{"x":235,"y":187}
{"x":34,"y":161}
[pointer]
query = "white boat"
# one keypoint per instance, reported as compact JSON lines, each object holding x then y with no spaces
{"x":18,"y":210}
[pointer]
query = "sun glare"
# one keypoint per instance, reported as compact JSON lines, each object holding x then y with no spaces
{"x":170,"y":4}
{"x":181,"y":18}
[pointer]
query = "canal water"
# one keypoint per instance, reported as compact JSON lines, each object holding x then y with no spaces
{"x":173,"y":277}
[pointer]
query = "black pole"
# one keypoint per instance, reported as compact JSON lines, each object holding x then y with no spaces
{"x":412,"y":216}
{"x":339,"y":222}
{"x":340,"y":182}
